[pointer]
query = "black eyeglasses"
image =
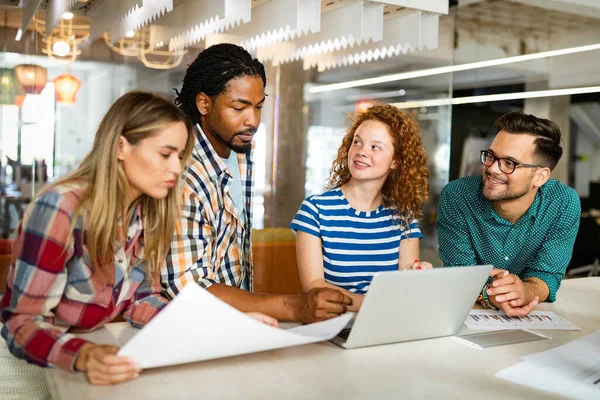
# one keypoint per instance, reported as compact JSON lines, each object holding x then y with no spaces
{"x":506,"y":165}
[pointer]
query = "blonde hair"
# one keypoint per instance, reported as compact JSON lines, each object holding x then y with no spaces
{"x":134,"y":116}
{"x":407,"y":187}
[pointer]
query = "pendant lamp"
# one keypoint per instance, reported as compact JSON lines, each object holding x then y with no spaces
{"x":66,"y":87}
{"x":10,"y":87}
{"x":31,"y":77}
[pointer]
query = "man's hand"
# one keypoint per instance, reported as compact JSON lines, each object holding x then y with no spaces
{"x":509,"y":293}
{"x":319,"y":304}
{"x":103,"y":366}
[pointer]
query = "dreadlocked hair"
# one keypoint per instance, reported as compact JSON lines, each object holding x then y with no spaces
{"x":406,"y":188}
{"x":211,"y":72}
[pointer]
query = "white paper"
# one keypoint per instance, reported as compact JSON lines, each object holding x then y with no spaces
{"x":197,"y":326}
{"x":571,"y":370}
{"x":491,"y":319}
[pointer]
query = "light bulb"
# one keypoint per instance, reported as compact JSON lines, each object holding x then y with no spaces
{"x":61,"y":48}
{"x":130,"y":34}
{"x":67,"y":15}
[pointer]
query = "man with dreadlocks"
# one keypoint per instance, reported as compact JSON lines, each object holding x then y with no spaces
{"x":223,"y":93}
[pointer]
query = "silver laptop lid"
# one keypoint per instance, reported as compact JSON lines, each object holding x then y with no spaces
{"x":410,"y":305}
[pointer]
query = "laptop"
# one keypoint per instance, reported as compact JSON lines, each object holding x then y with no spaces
{"x":411,"y":305}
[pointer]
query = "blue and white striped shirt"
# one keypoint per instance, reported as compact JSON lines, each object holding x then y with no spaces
{"x":356,"y":244}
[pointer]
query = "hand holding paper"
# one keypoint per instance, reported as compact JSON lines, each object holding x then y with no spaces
{"x":197,"y":326}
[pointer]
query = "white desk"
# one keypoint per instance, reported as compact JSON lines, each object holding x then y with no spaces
{"x":435,"y":368}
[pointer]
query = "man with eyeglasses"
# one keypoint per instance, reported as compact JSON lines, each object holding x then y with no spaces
{"x":514,"y":216}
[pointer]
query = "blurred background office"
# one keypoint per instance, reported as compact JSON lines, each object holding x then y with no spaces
{"x":455,"y":65}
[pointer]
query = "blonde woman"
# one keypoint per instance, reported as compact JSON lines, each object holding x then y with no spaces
{"x":90,"y":246}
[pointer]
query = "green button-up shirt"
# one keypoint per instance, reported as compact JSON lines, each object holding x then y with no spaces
{"x":539,"y":244}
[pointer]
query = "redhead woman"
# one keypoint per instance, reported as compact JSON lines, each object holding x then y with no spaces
{"x":367,"y":221}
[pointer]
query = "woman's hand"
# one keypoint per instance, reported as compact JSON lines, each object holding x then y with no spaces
{"x":265,"y":319}
{"x":418,"y":265}
{"x":103,"y":366}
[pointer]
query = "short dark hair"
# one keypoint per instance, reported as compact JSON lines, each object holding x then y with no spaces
{"x":212,"y":70}
{"x":548,"y":137}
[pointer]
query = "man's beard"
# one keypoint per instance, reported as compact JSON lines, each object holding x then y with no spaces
{"x":241,"y":148}
{"x":508,"y":194}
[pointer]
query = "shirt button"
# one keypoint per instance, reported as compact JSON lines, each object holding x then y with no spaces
{"x":506,"y":258}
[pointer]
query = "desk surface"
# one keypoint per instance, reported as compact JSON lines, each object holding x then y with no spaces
{"x":434,"y":368}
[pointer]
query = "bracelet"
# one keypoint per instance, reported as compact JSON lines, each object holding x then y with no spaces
{"x":484,"y":300}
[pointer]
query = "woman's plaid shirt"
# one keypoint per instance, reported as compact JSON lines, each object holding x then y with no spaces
{"x":52,"y":287}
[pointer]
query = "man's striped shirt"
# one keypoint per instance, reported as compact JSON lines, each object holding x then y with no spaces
{"x":355,"y":244}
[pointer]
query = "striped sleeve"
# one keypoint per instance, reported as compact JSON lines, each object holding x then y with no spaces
{"x":36,"y":282}
{"x":191,"y":247}
{"x":307,"y":218}
{"x":412,"y":232}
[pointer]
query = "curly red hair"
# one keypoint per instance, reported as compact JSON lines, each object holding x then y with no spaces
{"x":407,"y":186}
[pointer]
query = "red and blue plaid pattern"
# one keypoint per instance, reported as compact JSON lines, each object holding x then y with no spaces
{"x":52,"y":287}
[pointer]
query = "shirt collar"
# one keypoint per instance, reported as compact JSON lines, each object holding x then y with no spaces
{"x":206,"y":152}
{"x":135,"y":225}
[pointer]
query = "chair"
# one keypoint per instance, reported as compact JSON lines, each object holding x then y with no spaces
{"x":274,"y":261}
{"x":5,"y":258}
{"x":586,"y":250}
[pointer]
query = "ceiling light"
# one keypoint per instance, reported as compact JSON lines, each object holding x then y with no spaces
{"x":496,"y":97}
{"x":130,"y":33}
{"x":61,"y":48}
{"x":67,"y":15}
{"x":450,"y":68}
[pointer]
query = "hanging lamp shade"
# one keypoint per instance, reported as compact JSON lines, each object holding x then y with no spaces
{"x":10,"y":87}
{"x":31,"y":77}
{"x":66,"y":88}
{"x":19,"y":100}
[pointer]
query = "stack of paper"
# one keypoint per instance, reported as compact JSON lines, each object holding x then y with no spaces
{"x":571,"y":370}
{"x":197,"y":326}
{"x":491,"y":319}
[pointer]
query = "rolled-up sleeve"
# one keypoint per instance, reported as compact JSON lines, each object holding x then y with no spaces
{"x":557,"y":249}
